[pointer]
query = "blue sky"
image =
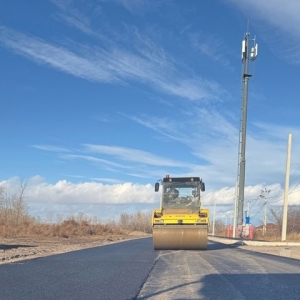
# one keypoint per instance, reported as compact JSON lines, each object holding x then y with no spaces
{"x":100,"y":99}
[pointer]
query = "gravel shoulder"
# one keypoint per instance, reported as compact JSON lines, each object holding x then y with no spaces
{"x":16,"y":249}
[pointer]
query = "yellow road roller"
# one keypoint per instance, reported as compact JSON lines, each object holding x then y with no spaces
{"x":180,"y":223}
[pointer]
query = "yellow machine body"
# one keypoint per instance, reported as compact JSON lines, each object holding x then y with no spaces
{"x":180,"y":223}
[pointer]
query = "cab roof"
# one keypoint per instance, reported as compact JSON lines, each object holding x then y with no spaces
{"x":182,"y":179}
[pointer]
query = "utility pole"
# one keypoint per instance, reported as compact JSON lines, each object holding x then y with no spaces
{"x":264,"y":195}
{"x":234,"y":210}
{"x":286,"y":188}
{"x":213,"y":230}
{"x":243,"y":124}
{"x":248,"y":215}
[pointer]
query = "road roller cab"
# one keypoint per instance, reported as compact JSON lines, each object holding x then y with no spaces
{"x":180,"y":222}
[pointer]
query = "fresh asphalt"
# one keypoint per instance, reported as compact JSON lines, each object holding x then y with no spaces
{"x":133,"y":270}
{"x":115,"y":271}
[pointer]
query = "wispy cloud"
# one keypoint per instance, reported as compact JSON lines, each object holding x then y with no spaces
{"x":93,"y":159}
{"x":212,"y":47}
{"x":112,"y":65}
{"x":51,"y":148}
{"x":57,"y":57}
{"x":199,"y":128}
{"x":106,"y":180}
{"x":134,"y":155}
{"x":129,"y":161}
{"x":210,"y":137}
{"x":276,"y":131}
{"x":74,"y":14}
{"x":136,"y":6}
{"x":78,"y":22}
{"x":213,"y":138}
{"x":102,"y":118}
{"x":164,"y":126}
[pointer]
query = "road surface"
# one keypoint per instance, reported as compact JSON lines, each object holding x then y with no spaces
{"x":222,"y":272}
{"x":133,"y":270}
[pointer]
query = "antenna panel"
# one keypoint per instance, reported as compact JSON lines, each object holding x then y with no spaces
{"x":253,"y":53}
{"x":243,"y":48}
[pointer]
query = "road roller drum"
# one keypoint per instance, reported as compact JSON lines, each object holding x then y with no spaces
{"x":180,"y":237}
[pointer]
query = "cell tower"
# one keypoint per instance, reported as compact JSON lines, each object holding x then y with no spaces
{"x":247,"y":54}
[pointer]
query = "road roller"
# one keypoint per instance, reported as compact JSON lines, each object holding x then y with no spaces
{"x":180,"y":223}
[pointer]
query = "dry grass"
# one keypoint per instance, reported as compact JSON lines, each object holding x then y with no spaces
{"x":275,"y":236}
{"x":16,"y":222}
{"x":272,"y":234}
{"x":75,"y":226}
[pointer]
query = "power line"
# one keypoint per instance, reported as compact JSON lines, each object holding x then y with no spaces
{"x":258,"y":211}
{"x":293,"y":174}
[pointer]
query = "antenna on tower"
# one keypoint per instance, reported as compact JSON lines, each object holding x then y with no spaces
{"x":254,"y":50}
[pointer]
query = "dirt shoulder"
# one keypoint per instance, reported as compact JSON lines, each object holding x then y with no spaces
{"x":286,"y":249}
{"x":292,"y":251}
{"x":16,"y":249}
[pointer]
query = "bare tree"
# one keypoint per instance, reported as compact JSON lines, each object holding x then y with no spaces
{"x":293,"y":219}
{"x":13,"y":209}
{"x":19,"y":205}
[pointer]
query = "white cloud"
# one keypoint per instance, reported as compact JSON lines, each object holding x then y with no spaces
{"x":275,"y":12}
{"x":93,"y":198}
{"x":64,"y":192}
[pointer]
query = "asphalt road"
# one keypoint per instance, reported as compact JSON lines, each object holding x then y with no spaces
{"x":133,"y":270}
{"x":115,"y":271}
{"x":222,"y":272}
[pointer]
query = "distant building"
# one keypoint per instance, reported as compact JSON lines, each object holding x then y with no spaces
{"x":269,"y":227}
